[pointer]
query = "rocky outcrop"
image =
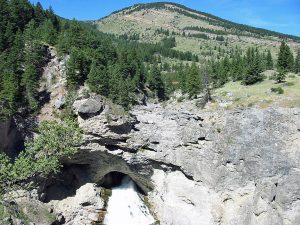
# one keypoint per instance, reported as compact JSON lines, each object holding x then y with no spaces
{"x":196,"y":166}
{"x":52,"y":85}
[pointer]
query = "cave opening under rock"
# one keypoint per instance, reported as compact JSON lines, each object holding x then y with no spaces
{"x":114,"y":179}
{"x":66,"y":183}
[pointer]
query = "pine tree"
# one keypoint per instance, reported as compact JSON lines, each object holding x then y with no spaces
{"x":280,"y":76}
{"x":182,"y":76}
{"x":253,"y":74}
{"x":156,"y":83}
{"x":297,"y":62}
{"x":114,"y":83}
{"x":8,"y":94}
{"x":48,"y":32}
{"x":193,"y":81}
{"x":269,"y":63}
{"x":3,"y":23}
{"x":21,"y":12}
{"x":285,"y":58}
{"x":39,"y":13}
{"x":30,"y":84}
{"x":77,"y":68}
{"x":98,"y":80}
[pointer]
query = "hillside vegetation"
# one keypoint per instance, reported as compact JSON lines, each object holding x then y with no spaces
{"x":200,"y":33}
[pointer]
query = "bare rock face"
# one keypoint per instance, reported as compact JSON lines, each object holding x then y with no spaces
{"x":82,"y":208}
{"x":197,"y":167}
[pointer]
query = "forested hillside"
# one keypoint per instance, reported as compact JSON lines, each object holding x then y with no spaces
{"x":117,"y":66}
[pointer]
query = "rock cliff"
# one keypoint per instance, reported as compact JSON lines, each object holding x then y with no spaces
{"x":208,"y":167}
{"x":197,"y":166}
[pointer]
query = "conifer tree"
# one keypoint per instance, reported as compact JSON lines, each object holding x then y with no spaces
{"x":77,"y":68}
{"x":253,"y":74}
{"x":297,"y":62}
{"x":269,"y":63}
{"x":280,"y":76}
{"x":285,"y":58}
{"x":182,"y":76}
{"x":3,"y":23}
{"x":193,"y":81}
{"x":39,"y":13}
{"x":8,"y":94}
{"x":48,"y":32}
{"x":156,"y":83}
{"x":98,"y":80}
{"x":30,"y":84}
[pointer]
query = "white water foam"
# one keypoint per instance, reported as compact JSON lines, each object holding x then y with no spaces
{"x":125,"y":206}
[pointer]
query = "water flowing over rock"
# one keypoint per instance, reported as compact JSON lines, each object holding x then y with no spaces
{"x":205,"y":167}
{"x":126,"y":207}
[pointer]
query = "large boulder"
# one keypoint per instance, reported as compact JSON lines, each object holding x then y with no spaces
{"x":88,"y":107}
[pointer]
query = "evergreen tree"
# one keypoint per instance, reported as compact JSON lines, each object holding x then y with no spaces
{"x":280,"y":76}
{"x":182,"y":76}
{"x":30,"y":84}
{"x":8,"y":95}
{"x":3,"y":23}
{"x":285,"y":58}
{"x":98,"y":80}
{"x":253,"y":74}
{"x":114,"y":83}
{"x":193,"y":81}
{"x":297,"y":62}
{"x":156,"y":83}
{"x":269,"y":61}
{"x":48,"y":32}
{"x":77,"y":68}
{"x":39,"y":13}
{"x":21,"y":13}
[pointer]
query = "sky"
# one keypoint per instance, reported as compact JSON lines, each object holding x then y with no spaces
{"x":277,"y":15}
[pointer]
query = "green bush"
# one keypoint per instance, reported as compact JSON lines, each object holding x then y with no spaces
{"x":41,"y":156}
{"x":277,"y":90}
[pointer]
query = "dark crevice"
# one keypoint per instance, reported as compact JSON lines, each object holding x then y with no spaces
{"x":66,"y":183}
{"x":114,"y":179}
{"x":117,"y":147}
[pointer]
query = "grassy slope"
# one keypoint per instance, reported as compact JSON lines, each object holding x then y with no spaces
{"x":260,"y":95}
{"x":146,"y":21}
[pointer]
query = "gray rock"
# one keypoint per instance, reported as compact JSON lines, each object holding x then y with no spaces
{"x":234,"y":167}
{"x":59,"y":102}
{"x":88,"y":107}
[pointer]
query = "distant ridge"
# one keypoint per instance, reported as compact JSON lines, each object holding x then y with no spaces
{"x":213,"y":19}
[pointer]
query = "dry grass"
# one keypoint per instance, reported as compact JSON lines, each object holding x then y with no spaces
{"x":260,"y":95}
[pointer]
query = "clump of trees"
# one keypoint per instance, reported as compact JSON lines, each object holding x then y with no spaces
{"x":41,"y":157}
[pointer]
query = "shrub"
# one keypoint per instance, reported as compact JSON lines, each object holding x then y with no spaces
{"x":277,"y":90}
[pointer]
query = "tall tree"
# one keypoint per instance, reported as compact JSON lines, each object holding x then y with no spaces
{"x":285,"y":58}
{"x":4,"y":10}
{"x":30,"y":84}
{"x":193,"y":81}
{"x":156,"y":83}
{"x":253,"y":74}
{"x":269,"y":63}
{"x":77,"y":68}
{"x":8,"y":94}
{"x":98,"y":79}
{"x":297,"y":62}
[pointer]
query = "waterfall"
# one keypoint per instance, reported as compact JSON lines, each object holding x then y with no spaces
{"x":125,"y":206}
